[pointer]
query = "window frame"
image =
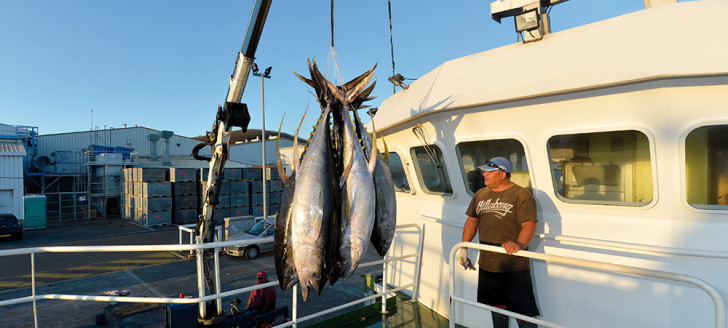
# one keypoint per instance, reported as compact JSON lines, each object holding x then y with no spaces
{"x":607,"y":129}
{"x":526,"y":154}
{"x":405,"y":165}
{"x":420,"y":178}
{"x":706,"y":209}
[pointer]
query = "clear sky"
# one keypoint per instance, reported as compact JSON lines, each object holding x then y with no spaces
{"x":80,"y":64}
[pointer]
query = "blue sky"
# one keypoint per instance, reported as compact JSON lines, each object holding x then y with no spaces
{"x":165,"y":64}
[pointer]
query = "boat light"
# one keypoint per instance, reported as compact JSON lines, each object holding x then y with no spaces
{"x":527,"y":21}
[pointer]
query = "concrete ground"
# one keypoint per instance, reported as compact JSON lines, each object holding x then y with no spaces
{"x":164,"y":280}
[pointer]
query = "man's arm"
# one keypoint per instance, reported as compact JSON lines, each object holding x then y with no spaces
{"x":528,"y":230}
{"x":470,"y":228}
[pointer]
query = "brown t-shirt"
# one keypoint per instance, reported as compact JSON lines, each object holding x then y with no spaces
{"x":500,"y":214}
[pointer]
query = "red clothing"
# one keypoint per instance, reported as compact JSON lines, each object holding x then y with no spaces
{"x":263,"y":300}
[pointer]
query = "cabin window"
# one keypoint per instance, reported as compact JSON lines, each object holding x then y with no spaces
{"x":612,"y":168}
{"x":398,"y":174}
{"x":706,"y":167}
{"x":431,"y":170}
{"x":475,"y":153}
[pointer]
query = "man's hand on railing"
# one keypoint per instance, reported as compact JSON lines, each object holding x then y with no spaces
{"x":512,"y":247}
{"x":464,"y":260}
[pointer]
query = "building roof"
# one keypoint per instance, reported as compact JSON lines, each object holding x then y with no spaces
{"x":12,"y":148}
{"x":253,"y":135}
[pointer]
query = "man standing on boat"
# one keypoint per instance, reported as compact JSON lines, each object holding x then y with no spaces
{"x":504,"y":214}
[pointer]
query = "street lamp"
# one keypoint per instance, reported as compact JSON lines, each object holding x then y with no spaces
{"x":265,"y":75}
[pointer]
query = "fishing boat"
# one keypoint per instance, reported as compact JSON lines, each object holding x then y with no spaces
{"x":619,"y":128}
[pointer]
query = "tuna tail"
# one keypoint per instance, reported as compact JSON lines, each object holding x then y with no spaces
{"x":352,"y":89}
{"x":364,"y":96}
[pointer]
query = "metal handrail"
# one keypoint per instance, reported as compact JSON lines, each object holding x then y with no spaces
{"x":179,"y":247}
{"x":632,"y":247}
{"x":719,"y":304}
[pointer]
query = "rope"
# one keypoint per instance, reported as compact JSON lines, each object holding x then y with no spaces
{"x":391,"y":43}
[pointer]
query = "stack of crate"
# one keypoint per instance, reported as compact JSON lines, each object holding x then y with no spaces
{"x":184,"y":195}
{"x":275,"y":191}
{"x":273,"y":188}
{"x":146,"y":196}
{"x":153,"y":197}
{"x":234,"y":194}
{"x":127,"y":193}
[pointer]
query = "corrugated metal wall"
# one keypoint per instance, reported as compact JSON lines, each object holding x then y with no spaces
{"x":135,"y":137}
{"x":7,"y":130}
{"x":250,"y":153}
{"x":11,"y":176}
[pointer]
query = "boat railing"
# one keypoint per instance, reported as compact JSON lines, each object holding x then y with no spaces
{"x":632,"y":247}
{"x":719,"y":304}
{"x":202,"y":299}
{"x":190,"y":229}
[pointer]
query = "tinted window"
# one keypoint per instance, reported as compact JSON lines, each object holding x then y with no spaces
{"x":602,"y":168}
{"x":476,"y":153}
{"x":398,"y":174}
{"x":706,"y":165}
{"x":431,"y":170}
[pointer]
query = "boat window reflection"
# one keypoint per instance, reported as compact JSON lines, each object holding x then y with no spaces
{"x":706,"y":165}
{"x":611,"y":168}
{"x":431,"y":170}
{"x":475,"y":153}
{"x":401,"y":183}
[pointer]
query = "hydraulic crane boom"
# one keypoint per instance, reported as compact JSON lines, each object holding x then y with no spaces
{"x":233,"y":113}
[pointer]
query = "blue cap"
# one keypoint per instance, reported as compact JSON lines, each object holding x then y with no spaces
{"x":496,"y":163}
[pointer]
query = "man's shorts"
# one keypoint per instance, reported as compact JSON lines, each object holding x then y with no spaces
{"x":512,"y":289}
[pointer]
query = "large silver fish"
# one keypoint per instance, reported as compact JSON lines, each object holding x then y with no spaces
{"x":386,"y":202}
{"x":283,"y":248}
{"x":357,"y":194}
{"x":313,"y":211}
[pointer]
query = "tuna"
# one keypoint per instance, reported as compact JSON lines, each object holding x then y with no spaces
{"x":358,"y":194}
{"x":385,"y":219}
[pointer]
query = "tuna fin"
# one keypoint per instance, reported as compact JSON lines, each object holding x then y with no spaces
{"x":347,"y":170}
{"x":279,"y":165}
{"x":375,"y":152}
{"x":296,"y":158}
{"x":386,"y":151}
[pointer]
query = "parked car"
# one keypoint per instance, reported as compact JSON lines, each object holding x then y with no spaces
{"x":10,"y":227}
{"x":261,"y":229}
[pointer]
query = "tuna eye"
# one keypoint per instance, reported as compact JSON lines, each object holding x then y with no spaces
{"x":317,"y":276}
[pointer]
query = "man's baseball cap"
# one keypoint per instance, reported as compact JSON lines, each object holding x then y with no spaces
{"x":496,"y":163}
{"x":262,"y":274}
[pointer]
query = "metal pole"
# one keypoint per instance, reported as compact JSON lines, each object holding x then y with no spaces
{"x":294,"y":311}
{"x":384,"y":285}
{"x":200,"y":277}
{"x":262,"y":132}
{"x":217,"y":281}
{"x":32,"y":282}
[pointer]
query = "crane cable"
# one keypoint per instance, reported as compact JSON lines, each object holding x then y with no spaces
{"x":391,"y":43}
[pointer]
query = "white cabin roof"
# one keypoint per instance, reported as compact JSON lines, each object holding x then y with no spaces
{"x":683,"y":39}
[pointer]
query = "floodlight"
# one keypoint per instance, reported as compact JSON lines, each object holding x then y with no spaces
{"x":527,"y":20}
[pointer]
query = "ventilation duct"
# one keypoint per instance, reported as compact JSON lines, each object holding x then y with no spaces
{"x":166,"y":135}
{"x":153,"y":138}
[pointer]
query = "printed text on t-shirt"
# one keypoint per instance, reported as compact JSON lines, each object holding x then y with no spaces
{"x":499,"y":208}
